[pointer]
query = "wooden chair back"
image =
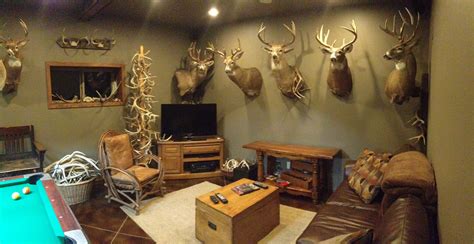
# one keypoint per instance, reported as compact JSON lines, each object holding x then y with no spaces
{"x":17,"y":142}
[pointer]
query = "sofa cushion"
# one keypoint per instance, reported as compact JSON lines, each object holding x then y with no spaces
{"x":333,"y":220}
{"x":410,"y":173}
{"x":405,"y":221}
{"x":367,"y":174}
{"x":345,"y":196}
{"x":358,"y":237}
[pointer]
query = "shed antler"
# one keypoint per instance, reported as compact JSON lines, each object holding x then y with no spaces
{"x":400,"y":33}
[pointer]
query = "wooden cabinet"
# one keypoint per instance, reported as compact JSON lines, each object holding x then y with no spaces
{"x":176,"y":154}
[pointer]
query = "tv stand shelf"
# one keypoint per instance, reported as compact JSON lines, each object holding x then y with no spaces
{"x":174,"y":154}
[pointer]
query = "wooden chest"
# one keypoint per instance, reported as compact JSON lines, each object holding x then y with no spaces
{"x":245,"y":219}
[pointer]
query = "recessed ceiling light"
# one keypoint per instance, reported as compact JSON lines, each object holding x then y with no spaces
{"x":213,"y":12}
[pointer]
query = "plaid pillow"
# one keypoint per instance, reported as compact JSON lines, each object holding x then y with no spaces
{"x":367,"y":175}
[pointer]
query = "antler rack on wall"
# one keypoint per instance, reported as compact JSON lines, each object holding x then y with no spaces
{"x":85,"y":42}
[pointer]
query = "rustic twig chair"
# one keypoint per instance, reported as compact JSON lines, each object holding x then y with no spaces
{"x":127,"y":182}
{"x":19,"y":152}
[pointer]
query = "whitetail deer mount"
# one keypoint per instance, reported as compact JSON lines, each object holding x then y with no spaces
{"x":289,"y":79}
{"x":11,"y":65}
{"x":249,"y":80}
{"x":401,"y":84}
{"x":339,"y":77}
{"x":197,"y":71}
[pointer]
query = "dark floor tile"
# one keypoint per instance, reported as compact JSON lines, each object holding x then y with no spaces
{"x":125,"y":239}
{"x":131,"y":228}
{"x":97,"y":235}
{"x":97,"y":212}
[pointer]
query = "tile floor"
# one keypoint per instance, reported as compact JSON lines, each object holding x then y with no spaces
{"x":107,"y":223}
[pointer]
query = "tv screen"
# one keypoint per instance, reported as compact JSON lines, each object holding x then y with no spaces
{"x":188,"y":121}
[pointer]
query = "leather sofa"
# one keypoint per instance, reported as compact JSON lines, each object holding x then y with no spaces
{"x":404,"y":221}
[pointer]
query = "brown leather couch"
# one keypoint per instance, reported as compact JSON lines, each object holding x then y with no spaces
{"x":404,"y":221}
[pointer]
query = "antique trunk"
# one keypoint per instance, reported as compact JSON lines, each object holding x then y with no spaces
{"x":245,"y":219}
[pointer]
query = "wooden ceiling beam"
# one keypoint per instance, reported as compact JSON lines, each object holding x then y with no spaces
{"x":92,"y":8}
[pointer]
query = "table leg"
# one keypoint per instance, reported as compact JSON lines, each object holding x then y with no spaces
{"x":315,"y":193}
{"x":260,"y":165}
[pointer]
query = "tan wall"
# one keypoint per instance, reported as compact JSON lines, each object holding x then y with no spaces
{"x":65,"y":130}
{"x":367,"y":119}
{"x":451,"y":117}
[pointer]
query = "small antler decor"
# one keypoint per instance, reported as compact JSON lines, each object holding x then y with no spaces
{"x":139,"y":118}
{"x":85,"y":42}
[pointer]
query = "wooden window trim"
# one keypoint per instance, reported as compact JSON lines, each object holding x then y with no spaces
{"x":120,"y":92}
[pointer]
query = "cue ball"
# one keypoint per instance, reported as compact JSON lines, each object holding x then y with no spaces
{"x":26,"y":190}
{"x":15,"y":196}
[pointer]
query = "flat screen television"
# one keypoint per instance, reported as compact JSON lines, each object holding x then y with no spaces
{"x":189,"y":121}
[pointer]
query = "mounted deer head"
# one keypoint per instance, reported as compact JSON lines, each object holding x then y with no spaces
{"x":189,"y":79}
{"x":289,"y":79}
{"x":11,"y":65}
{"x":400,"y":84}
{"x":339,"y":77}
{"x":248,"y":80}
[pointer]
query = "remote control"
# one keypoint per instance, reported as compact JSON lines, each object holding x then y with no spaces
{"x":214,"y":199}
{"x":222,"y":198}
{"x":260,"y":184}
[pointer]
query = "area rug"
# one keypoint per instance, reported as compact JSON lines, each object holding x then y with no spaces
{"x":171,"y":219}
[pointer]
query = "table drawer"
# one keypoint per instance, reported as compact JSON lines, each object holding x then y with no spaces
{"x":202,"y":149}
{"x":171,"y":149}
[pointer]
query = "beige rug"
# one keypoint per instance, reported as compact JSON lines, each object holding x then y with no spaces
{"x":171,"y":219}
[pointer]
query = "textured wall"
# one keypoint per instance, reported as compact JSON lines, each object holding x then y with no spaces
{"x":65,"y":130}
{"x":366,"y":119}
{"x":451,"y":117}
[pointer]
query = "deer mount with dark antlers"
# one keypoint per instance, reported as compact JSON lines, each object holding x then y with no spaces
{"x":196,"y":72}
{"x":11,"y":65}
{"x":401,"y":84}
{"x":249,"y":80}
{"x":288,"y":78}
{"x":339,"y":77}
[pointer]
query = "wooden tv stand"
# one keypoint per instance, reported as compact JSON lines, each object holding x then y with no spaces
{"x":175,"y":154}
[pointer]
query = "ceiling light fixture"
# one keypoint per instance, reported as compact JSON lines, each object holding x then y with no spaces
{"x":213,"y":12}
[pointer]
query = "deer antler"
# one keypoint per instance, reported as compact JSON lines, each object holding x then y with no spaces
{"x":211,"y":48}
{"x":262,"y":29}
{"x":323,"y":38}
{"x":292,"y":30}
{"x":399,"y":35}
{"x":237,"y":50}
{"x":193,"y":54}
{"x":420,"y":137}
{"x":25,"y":29}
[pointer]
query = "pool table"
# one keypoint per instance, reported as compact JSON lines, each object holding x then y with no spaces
{"x":41,"y":216}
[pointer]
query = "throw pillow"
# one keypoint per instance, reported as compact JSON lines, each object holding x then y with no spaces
{"x":367,"y":175}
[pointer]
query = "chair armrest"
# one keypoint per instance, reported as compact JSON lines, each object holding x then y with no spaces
{"x":154,"y":158}
{"x":40,"y":150}
{"x":128,"y":174}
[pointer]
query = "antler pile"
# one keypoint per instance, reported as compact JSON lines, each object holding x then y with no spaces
{"x":139,"y":118}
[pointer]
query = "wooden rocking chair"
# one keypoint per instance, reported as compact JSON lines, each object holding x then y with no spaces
{"x":127,"y":182}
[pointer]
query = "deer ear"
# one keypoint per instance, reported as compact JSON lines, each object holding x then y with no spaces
{"x":210,"y":63}
{"x":347,"y":49}
{"x":325,"y":50}
{"x":267,"y":49}
{"x":22,"y":43}
{"x":288,"y":50}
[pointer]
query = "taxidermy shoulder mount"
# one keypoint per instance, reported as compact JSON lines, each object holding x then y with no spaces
{"x":400,"y":84}
{"x":249,"y":80}
{"x":11,"y":65}
{"x":339,"y":77}
{"x":195,"y":73}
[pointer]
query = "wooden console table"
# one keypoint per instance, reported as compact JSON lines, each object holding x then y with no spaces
{"x":313,"y":155}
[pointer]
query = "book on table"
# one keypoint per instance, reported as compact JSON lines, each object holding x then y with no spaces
{"x":244,"y":189}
